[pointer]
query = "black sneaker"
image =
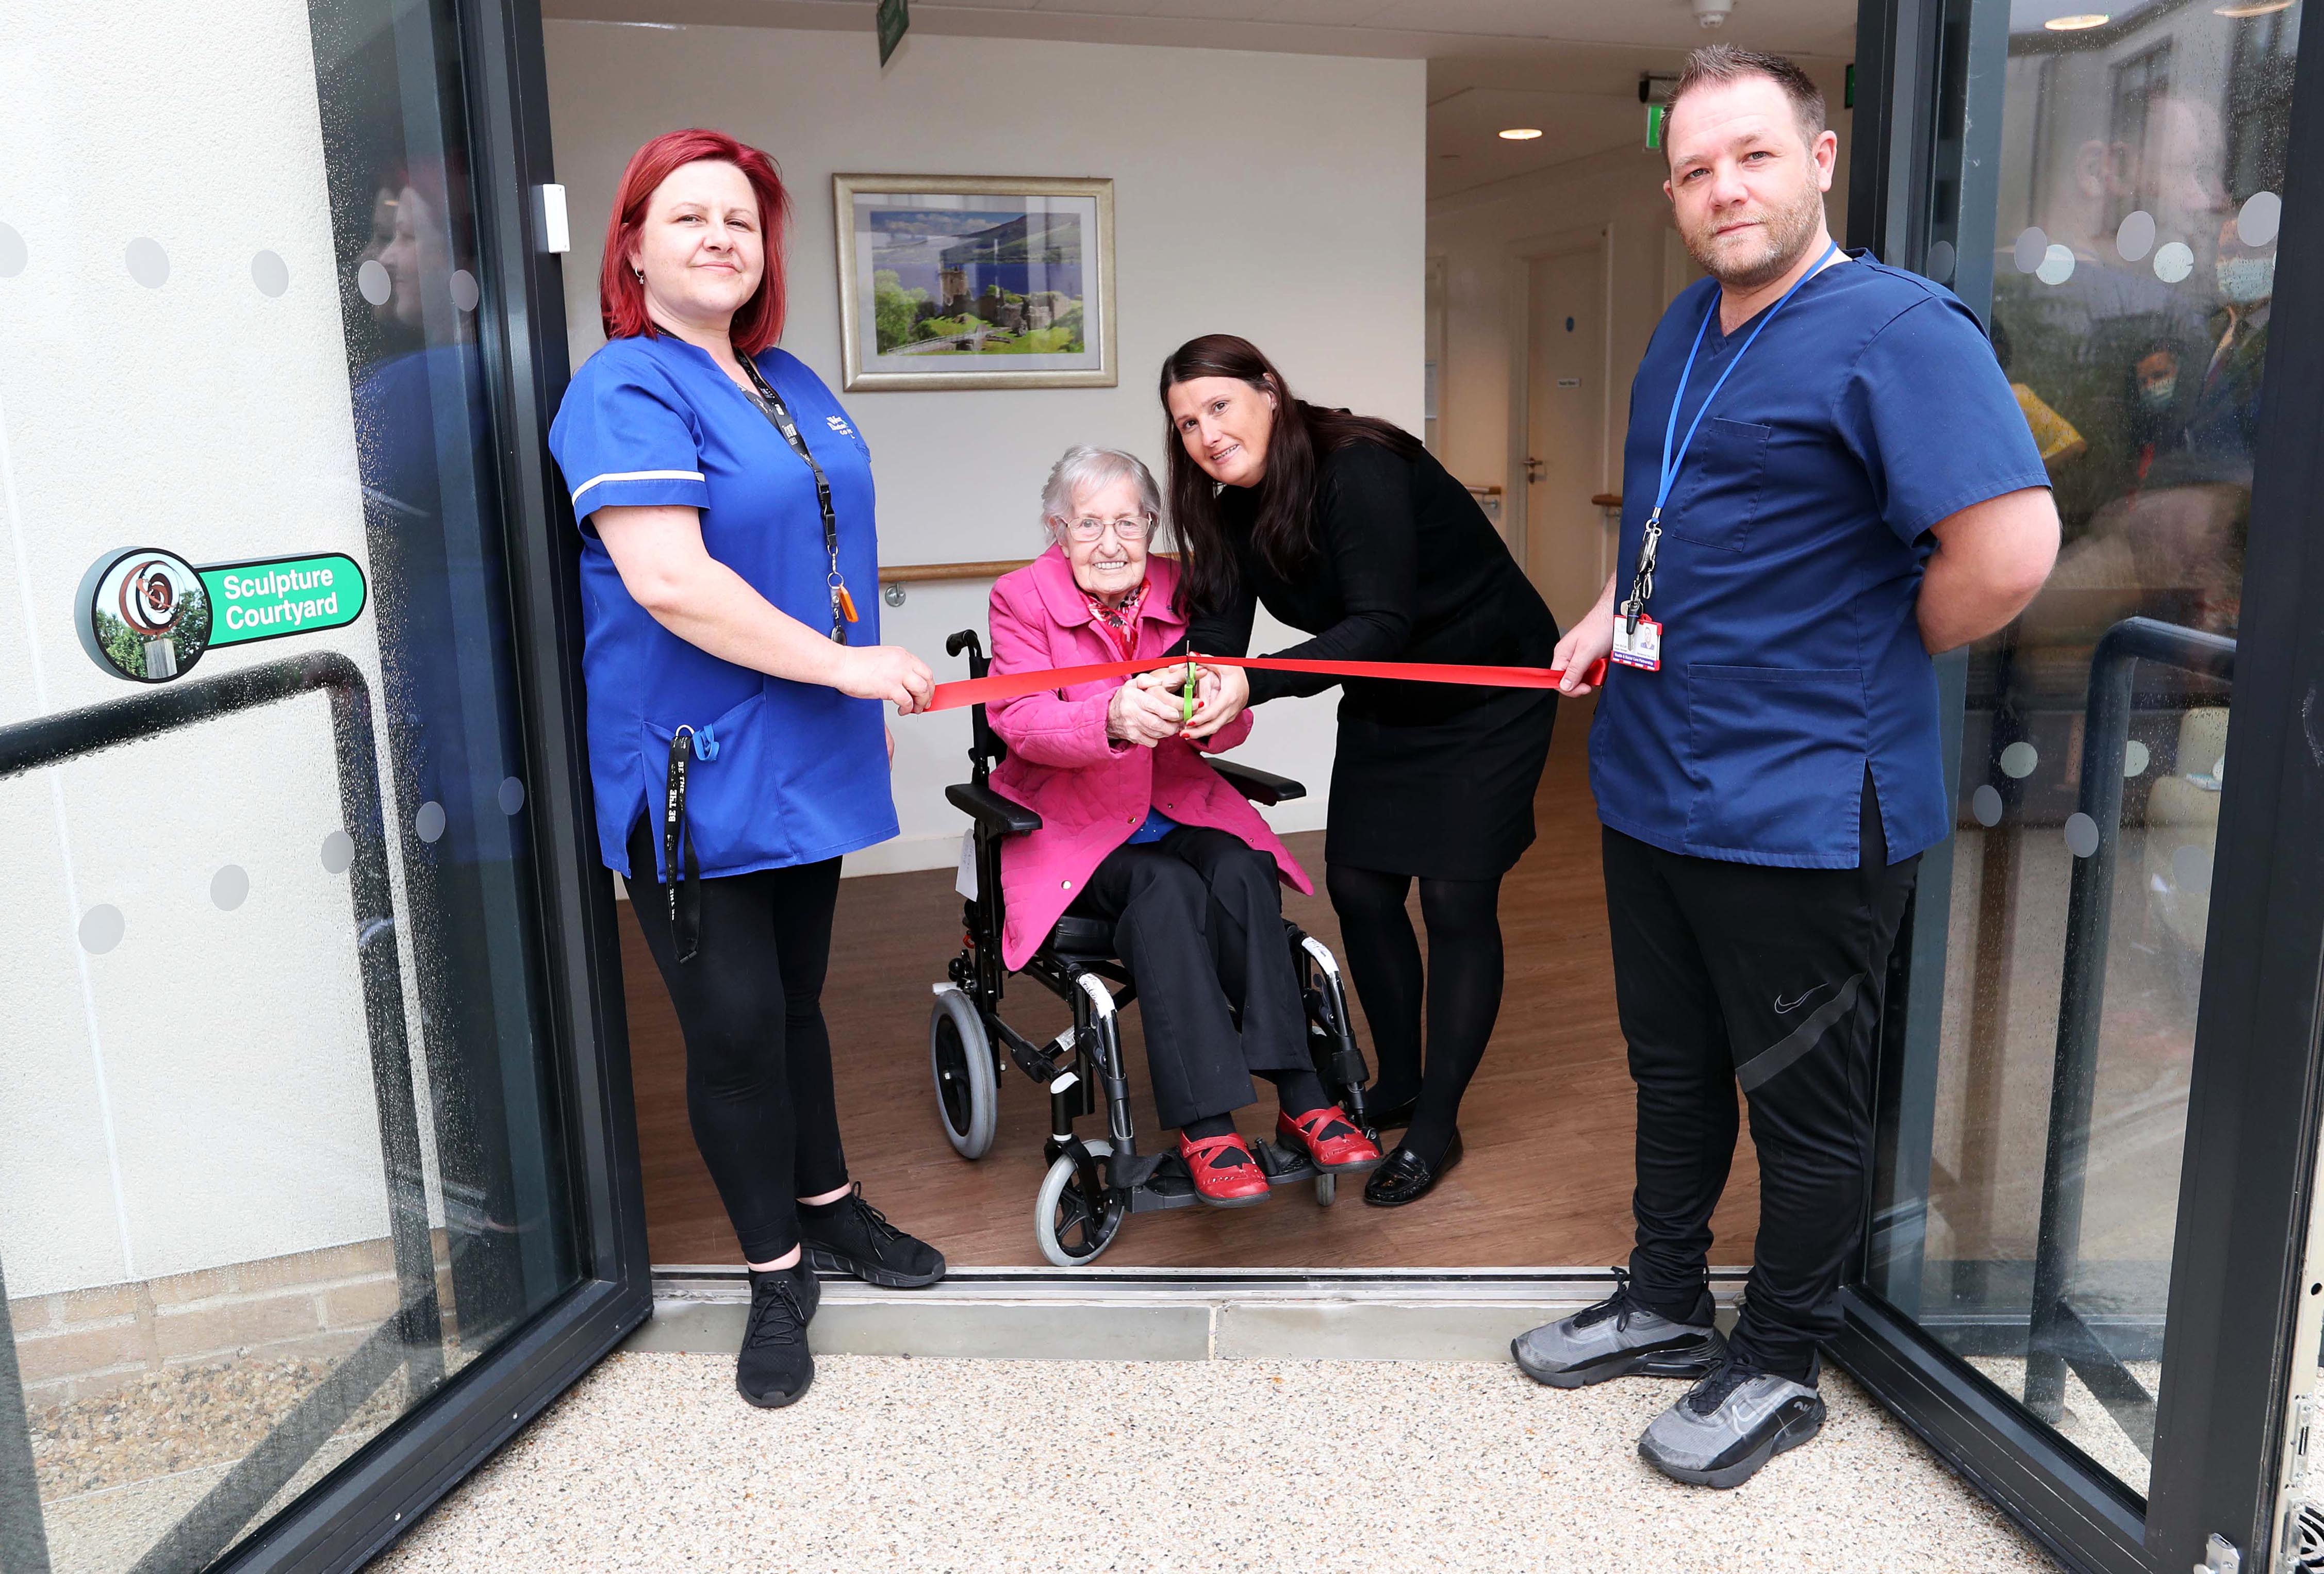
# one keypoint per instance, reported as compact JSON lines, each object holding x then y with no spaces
{"x":775,"y":1367}
{"x":851,"y":1237}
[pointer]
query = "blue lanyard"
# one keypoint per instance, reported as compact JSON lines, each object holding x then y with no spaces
{"x":1643,"y":585}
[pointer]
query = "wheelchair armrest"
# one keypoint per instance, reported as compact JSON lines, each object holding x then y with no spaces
{"x":1260,"y":786}
{"x":989,"y":809}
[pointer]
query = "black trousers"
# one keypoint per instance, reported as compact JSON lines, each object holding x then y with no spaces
{"x":758,"y":1056}
{"x":1729,"y":973}
{"x":1198,"y":918}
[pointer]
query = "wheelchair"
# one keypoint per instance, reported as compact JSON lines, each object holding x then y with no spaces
{"x":1094,"y":1184}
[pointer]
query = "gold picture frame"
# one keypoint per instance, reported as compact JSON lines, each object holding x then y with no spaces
{"x":989,"y":305}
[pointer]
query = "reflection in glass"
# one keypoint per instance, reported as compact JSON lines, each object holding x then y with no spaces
{"x":278,"y":1150}
{"x":2029,"y":1194}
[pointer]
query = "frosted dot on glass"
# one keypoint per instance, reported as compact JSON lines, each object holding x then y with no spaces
{"x":2057,"y":266}
{"x":230,"y":888}
{"x":430,"y":821}
{"x":2174,"y":262}
{"x":2191,"y":869}
{"x":2259,"y":218}
{"x":2032,"y":246}
{"x":13,"y":254}
{"x":2018,"y":760}
{"x":2081,"y":835}
{"x":271,"y":273}
{"x":101,"y":928}
{"x":464,"y":293}
{"x":512,"y":795}
{"x":373,"y":281}
{"x":2134,"y":759}
{"x":1986,"y":804}
{"x":1942,"y":259}
{"x":338,"y":853}
{"x":2135,"y":237}
{"x":149,"y":264}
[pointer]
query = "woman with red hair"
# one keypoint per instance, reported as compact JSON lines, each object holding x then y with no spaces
{"x":734,"y":682}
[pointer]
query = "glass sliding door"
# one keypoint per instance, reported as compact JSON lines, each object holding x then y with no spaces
{"x":302,"y":1141}
{"x":2025,"y":1284}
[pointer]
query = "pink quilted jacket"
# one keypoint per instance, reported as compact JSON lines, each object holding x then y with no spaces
{"x":1091,"y":791}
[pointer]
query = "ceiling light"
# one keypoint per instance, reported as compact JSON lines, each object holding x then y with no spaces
{"x":2252,"y":8}
{"x":1520,"y":134}
{"x":2078,"y":22}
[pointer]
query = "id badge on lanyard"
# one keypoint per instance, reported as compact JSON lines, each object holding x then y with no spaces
{"x":1638,"y":637}
{"x":770,"y":405}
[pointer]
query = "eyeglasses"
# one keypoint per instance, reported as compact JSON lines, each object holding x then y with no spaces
{"x":1133,"y":527}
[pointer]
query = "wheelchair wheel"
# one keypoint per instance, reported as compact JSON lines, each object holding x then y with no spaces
{"x":1327,"y":1190}
{"x":960,"y":1054}
{"x":1071,"y":1232}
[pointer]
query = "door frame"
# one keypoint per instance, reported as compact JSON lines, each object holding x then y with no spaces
{"x":1929,"y":89}
{"x":387,"y":1487}
{"x":1521,"y":255}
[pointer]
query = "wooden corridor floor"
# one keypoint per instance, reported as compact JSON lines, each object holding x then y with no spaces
{"x":1547,"y":1122}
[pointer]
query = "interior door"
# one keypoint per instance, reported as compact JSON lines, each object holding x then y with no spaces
{"x":1567,"y":540}
{"x":314,"y":1174}
{"x":2098,"y":1090}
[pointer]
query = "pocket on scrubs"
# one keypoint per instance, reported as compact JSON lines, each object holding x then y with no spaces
{"x":719,"y":821}
{"x":1719,"y":488}
{"x":1777,"y":756}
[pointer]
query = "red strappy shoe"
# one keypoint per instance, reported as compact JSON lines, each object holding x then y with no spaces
{"x":1225,"y":1174}
{"x":1329,"y":1139}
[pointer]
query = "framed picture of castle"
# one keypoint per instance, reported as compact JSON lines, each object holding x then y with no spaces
{"x":962,"y":281}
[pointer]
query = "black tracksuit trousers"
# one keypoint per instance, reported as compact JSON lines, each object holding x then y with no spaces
{"x":1735,"y":973}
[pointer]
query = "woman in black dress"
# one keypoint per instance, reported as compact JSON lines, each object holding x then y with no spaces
{"x":1346,"y":527}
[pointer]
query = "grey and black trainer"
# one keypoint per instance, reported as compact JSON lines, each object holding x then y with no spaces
{"x":1618,"y":1337}
{"x":775,"y":1367}
{"x":1730,"y":1423}
{"x":851,"y":1237}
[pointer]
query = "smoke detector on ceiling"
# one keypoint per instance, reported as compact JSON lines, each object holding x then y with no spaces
{"x":1711,"y":13}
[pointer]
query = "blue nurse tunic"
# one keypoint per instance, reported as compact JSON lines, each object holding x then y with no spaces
{"x":1790,"y":568}
{"x":784,"y":773}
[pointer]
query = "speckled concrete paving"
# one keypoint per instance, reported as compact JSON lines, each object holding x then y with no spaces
{"x":653,"y":1463}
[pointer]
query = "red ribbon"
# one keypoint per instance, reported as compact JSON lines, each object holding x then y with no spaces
{"x":978,"y":691}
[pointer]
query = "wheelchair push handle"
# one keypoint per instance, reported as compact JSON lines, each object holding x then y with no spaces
{"x":966,"y":639}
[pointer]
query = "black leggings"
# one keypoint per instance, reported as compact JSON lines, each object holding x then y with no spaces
{"x":758,"y":1056}
{"x":1463,"y":988}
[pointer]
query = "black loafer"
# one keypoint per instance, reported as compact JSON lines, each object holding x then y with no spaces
{"x":1404,"y":1176}
{"x":1390,"y":1117}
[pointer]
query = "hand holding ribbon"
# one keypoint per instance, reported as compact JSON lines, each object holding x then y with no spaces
{"x":1226,"y":672}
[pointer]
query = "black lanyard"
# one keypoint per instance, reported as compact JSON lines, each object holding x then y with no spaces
{"x":770,"y":404}
{"x":684,"y":873}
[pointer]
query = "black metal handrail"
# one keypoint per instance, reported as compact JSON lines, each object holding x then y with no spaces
{"x":211,"y":1524}
{"x":2058,"y":1338}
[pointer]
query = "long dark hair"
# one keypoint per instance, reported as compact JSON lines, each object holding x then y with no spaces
{"x":1284,"y":529}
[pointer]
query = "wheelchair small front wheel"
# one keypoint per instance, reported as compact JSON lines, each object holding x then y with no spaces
{"x":960,"y":1055}
{"x":1327,"y":1190}
{"x":1073,"y":1229}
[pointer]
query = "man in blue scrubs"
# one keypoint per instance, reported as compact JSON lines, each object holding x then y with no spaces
{"x":1827,"y":479}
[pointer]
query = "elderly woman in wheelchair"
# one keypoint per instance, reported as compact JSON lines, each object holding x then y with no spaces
{"x":1108,"y":848}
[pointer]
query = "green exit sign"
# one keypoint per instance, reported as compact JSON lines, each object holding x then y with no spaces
{"x":895,"y":19}
{"x":1656,"y":113}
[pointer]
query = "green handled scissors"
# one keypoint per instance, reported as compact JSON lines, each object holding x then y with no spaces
{"x":1188,"y":699}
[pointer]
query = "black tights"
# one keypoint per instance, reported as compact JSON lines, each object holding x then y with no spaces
{"x":1463,"y":988}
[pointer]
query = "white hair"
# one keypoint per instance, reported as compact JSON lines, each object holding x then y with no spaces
{"x":1084,"y":467}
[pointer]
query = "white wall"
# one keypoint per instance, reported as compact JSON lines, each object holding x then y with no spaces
{"x":1486,"y":237}
{"x":1278,"y":197}
{"x":200,"y":1093}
